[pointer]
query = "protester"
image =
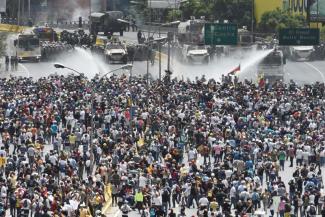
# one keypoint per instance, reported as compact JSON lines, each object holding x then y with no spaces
{"x":218,"y":147}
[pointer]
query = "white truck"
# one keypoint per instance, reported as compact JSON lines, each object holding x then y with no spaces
{"x":28,"y":47}
{"x":116,"y":52}
{"x":195,"y":54}
{"x":297,"y":53}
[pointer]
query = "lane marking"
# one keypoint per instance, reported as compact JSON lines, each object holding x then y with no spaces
{"x":117,"y":213}
{"x":317,"y":70}
{"x":25,"y":68}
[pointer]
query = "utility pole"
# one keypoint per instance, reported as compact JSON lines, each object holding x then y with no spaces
{"x":18,"y":16}
{"x":148,"y":41}
{"x":159,"y":50}
{"x":317,"y":13}
{"x":168,"y":60}
{"x":28,"y":9}
{"x":253,"y":8}
{"x":23,"y":10}
{"x":89,"y":19}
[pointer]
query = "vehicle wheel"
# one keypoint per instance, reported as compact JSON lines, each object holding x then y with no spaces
{"x":125,"y":60}
{"x":207,"y":60}
{"x":121,"y":32}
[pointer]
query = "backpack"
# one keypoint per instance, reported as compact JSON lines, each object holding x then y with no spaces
{"x":152,"y":212}
{"x":312,"y":210}
{"x":165,"y":193}
{"x":255,"y":196}
{"x":25,"y":204}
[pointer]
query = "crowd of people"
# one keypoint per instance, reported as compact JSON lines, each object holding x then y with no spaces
{"x":77,"y":38}
{"x":218,"y":147}
{"x":51,"y":50}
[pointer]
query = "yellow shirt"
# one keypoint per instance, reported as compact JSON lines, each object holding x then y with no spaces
{"x":84,"y":212}
{"x":2,"y":161}
{"x":72,"y":139}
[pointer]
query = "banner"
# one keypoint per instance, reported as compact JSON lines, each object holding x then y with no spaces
{"x":3,"y":6}
{"x":317,"y":10}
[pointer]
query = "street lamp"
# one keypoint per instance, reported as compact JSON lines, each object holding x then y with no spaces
{"x":61,"y":66}
{"x":127,"y":66}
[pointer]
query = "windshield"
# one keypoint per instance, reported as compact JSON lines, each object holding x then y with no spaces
{"x":196,"y":47}
{"x":246,"y":38}
{"x":114,"y":46}
{"x":272,"y":60}
{"x":28,"y":43}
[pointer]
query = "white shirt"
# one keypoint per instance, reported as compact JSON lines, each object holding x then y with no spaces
{"x":142,"y":181}
{"x":299,"y":154}
{"x":157,"y":200}
{"x":204,"y":201}
{"x":305,"y":155}
{"x":191,"y":154}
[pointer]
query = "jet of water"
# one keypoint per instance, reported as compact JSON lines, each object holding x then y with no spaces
{"x":83,"y":61}
{"x":218,"y":67}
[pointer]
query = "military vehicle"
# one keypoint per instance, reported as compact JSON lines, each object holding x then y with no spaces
{"x":191,"y":31}
{"x":115,"y":51}
{"x":296,"y":53}
{"x":191,"y":48}
{"x":272,"y":66}
{"x":195,"y":54}
{"x":108,"y":22}
{"x":28,"y":47}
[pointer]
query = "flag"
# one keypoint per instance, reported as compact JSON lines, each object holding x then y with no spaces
{"x":235,"y":70}
{"x":261,"y":80}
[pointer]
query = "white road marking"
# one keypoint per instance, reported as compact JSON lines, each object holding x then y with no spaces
{"x":117,"y":213}
{"x":24,"y":67}
{"x":317,"y":70}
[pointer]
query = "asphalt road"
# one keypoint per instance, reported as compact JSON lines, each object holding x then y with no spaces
{"x":286,"y":176}
{"x":83,"y":61}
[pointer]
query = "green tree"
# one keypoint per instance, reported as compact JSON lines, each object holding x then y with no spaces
{"x":272,"y":21}
{"x":235,"y":11}
{"x":173,"y":15}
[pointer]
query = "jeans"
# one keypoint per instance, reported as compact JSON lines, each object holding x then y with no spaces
{"x":322,"y":161}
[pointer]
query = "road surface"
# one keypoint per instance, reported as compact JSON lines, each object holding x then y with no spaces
{"x":83,"y":61}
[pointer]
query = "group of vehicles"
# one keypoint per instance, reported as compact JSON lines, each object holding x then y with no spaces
{"x":189,"y":44}
{"x":109,"y":22}
{"x":28,"y":45}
